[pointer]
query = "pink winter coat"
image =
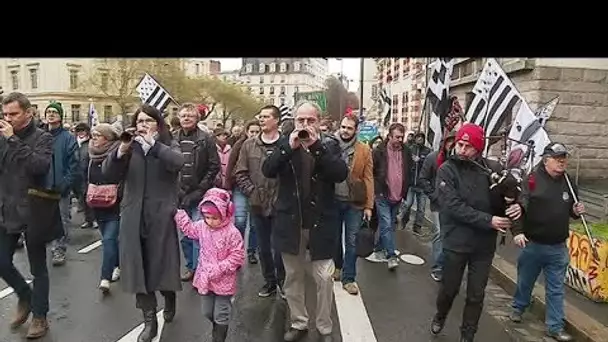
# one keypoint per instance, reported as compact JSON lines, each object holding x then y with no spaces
{"x":222,"y":251}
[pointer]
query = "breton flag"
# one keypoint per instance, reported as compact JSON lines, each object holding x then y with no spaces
{"x":495,"y":98}
{"x":528,"y":127}
{"x":93,"y":116}
{"x":438,"y":95}
{"x":285,"y":113}
{"x":153,"y":94}
{"x":386,"y":104}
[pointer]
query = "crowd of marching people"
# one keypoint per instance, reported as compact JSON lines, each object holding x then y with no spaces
{"x":155,"y":190}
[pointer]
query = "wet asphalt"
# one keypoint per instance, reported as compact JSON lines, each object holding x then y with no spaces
{"x":399,"y":304}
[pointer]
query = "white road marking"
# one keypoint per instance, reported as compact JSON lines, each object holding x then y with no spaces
{"x":90,"y":247}
{"x":132,"y":335}
{"x":355,"y":325}
{"x":9,"y":290}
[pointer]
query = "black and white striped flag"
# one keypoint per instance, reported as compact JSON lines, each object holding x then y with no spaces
{"x":152,"y":93}
{"x":285,"y":113}
{"x":386,"y":105}
{"x":437,"y":93}
{"x":495,"y":97}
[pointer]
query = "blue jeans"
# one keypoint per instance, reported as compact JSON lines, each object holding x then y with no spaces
{"x":350,"y":222}
{"x":190,"y":247}
{"x":436,"y":244}
{"x":109,"y":240}
{"x":241,"y":204}
{"x":387,"y":214}
{"x":414,"y":194}
{"x":65,"y":204}
{"x":553,"y":260}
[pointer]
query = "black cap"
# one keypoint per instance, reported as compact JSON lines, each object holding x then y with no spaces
{"x":555,"y":149}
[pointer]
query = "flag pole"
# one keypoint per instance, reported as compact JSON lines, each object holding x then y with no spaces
{"x":424,"y":112}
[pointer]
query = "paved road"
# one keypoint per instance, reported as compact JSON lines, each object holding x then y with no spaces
{"x":395,"y":306}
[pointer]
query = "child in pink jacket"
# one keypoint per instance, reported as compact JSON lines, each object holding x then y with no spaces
{"x":221,"y":254}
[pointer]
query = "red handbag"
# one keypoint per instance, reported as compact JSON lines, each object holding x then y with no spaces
{"x":101,"y":196}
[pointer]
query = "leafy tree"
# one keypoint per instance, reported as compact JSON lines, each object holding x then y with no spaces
{"x":229,"y":101}
{"x":116,"y":78}
{"x":336,"y":95}
{"x":352,"y":100}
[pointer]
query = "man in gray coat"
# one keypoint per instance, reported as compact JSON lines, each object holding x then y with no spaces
{"x":25,"y":158}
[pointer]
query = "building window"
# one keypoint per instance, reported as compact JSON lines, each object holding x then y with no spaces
{"x":271,"y":90}
{"x":15,"y":79}
{"x":104,"y":81}
{"x":76,"y":112}
{"x":261,"y":79}
{"x":107,"y":112}
{"x":247,"y":80}
{"x":374,"y":91}
{"x":271,"y":100}
{"x":73,"y":79}
{"x":249,"y":89}
{"x":283,"y":67}
{"x":296,"y":89}
{"x":282,"y":100}
{"x":296,"y":66}
{"x":262,"y":67}
{"x":248,"y":68}
{"x":282,"y":78}
{"x":197,"y":68}
{"x":261,"y":90}
{"x":273,"y":67}
{"x":282,"y":90}
{"x":34,"y":78}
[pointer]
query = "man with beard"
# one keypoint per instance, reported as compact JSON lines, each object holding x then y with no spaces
{"x":426,"y":182}
{"x":355,"y":196}
{"x":470,"y":220}
{"x":307,"y":165}
{"x":414,"y":192}
{"x":26,"y":154}
{"x":262,"y":193}
{"x":196,"y":177}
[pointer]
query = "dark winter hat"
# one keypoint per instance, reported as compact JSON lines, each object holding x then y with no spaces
{"x":56,"y":106}
{"x":82,"y":127}
{"x":555,"y":150}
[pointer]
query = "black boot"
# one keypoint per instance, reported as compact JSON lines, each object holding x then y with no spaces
{"x":170,"y":303}
{"x":150,"y":326}
{"x":219,"y":333}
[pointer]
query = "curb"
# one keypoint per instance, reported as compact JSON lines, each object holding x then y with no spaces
{"x":582,"y":326}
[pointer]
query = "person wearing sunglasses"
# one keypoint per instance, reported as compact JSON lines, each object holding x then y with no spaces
{"x":548,"y":204}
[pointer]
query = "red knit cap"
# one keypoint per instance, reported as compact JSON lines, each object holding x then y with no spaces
{"x":473,"y":134}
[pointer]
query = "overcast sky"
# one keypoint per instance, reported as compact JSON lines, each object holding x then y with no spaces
{"x":350,"y":65}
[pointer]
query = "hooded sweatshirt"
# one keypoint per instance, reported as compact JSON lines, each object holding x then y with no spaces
{"x":222,"y":251}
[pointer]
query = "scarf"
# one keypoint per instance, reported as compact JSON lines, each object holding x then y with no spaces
{"x":100,"y":153}
{"x":347,"y":148}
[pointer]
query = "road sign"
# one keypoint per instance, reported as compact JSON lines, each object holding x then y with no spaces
{"x":318,"y":97}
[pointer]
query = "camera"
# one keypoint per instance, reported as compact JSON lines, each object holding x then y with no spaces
{"x":303,"y":135}
{"x":127,"y":136}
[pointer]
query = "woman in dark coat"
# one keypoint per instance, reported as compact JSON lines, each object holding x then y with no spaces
{"x":148,"y":163}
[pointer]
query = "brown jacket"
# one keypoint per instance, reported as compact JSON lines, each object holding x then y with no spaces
{"x":234,"y":155}
{"x":363,"y":170}
{"x":261,"y":191}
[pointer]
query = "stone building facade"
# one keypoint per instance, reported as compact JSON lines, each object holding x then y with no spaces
{"x":580,"y":120}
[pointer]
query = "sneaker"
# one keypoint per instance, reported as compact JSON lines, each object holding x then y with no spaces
{"x":515,"y":316}
{"x":281,"y":292}
{"x":20,"y":241}
{"x":95,"y":225}
{"x":267,"y":290}
{"x":436,"y":276}
{"x":252,"y":258}
{"x":58,"y":257}
{"x":104,"y":286}
{"x":560,"y":336}
{"x":393,"y":263}
{"x":379,"y":256}
{"x":417,"y":230}
{"x":337,"y":274}
{"x":351,"y":288}
{"x":86,"y":225}
{"x":116,"y":274}
{"x":437,"y":326}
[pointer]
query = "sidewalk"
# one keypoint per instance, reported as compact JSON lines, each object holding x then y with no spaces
{"x":586,"y":320}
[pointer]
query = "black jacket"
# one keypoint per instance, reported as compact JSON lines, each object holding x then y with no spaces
{"x":548,"y":207}
{"x":319,"y":212}
{"x":381,"y":169}
{"x":422,"y":152}
{"x":25,"y":159}
{"x":206,"y":166}
{"x":467,"y":206}
{"x":426,"y":180}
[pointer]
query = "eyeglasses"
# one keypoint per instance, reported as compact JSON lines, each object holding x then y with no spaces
{"x":149,"y":121}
